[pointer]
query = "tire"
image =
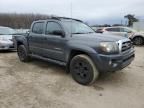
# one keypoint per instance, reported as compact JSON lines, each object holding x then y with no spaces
{"x":138,"y":40}
{"x":83,"y":70}
{"x":22,"y":53}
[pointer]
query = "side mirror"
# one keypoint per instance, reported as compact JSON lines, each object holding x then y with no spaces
{"x":59,"y":32}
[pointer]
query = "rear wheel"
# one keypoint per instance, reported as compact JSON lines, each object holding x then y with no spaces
{"x":138,"y":40}
{"x":83,"y":70}
{"x":22,"y":53}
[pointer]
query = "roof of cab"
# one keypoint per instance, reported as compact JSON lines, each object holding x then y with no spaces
{"x":60,"y":19}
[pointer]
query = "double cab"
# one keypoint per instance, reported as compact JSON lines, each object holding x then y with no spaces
{"x":72,"y":43}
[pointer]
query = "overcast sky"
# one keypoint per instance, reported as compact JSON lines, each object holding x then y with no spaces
{"x":99,"y":10}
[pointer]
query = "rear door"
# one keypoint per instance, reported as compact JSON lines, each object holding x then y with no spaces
{"x":36,"y":38}
{"x":54,"y":44}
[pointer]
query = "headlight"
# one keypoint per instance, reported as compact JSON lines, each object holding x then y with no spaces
{"x":109,"y":47}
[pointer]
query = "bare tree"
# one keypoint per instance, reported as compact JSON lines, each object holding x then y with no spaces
{"x":19,"y":20}
{"x":131,"y":19}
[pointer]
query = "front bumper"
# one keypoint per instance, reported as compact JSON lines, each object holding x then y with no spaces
{"x":6,"y":45}
{"x":112,"y":63}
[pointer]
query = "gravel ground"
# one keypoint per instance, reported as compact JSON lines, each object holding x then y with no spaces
{"x":40,"y":84}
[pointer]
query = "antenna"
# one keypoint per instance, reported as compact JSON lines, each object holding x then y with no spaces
{"x":71,"y":9}
{"x":71,"y":15}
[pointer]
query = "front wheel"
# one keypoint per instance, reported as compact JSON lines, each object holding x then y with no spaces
{"x":83,"y":69}
{"x":22,"y":53}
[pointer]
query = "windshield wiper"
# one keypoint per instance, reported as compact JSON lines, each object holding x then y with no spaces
{"x":78,"y":33}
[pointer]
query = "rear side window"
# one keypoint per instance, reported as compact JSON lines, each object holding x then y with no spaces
{"x":38,"y":28}
{"x":52,"y":27}
{"x":113,"y":29}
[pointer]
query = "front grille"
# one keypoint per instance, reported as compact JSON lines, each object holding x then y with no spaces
{"x":126,"y":46}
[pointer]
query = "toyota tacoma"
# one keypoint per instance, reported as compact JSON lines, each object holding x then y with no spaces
{"x":72,"y":43}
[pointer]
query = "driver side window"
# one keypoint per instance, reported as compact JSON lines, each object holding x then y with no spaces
{"x":52,"y":27}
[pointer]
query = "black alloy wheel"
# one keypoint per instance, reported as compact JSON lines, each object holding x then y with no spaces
{"x":83,"y":70}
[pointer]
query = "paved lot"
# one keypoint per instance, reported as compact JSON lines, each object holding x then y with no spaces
{"x":40,"y":84}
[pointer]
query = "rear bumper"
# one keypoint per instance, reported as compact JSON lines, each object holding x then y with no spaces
{"x":112,"y":63}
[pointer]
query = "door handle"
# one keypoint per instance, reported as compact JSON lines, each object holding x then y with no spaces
{"x":45,"y":38}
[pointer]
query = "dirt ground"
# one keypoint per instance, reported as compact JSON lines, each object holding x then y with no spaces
{"x":40,"y":84}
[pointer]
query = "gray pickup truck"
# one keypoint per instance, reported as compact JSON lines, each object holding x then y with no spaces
{"x":72,"y":43}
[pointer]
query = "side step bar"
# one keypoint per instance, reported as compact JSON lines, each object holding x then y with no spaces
{"x":48,"y":59}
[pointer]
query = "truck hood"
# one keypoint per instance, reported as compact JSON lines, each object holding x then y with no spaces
{"x":97,"y":37}
{"x":9,"y":37}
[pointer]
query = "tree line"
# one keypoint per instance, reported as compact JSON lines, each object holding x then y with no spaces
{"x":18,"y":21}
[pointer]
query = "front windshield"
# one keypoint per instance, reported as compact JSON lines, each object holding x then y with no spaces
{"x":76,"y":27}
{"x":6,"y":31}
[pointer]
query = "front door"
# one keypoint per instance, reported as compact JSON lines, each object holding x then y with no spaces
{"x":54,"y":44}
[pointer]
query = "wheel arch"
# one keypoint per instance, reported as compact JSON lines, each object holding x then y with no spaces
{"x":138,"y":36}
{"x":73,"y":53}
{"x":19,"y":43}
{"x":22,"y":42}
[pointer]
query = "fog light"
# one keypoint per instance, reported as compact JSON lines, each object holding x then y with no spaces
{"x":115,"y":65}
{"x":110,"y":62}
